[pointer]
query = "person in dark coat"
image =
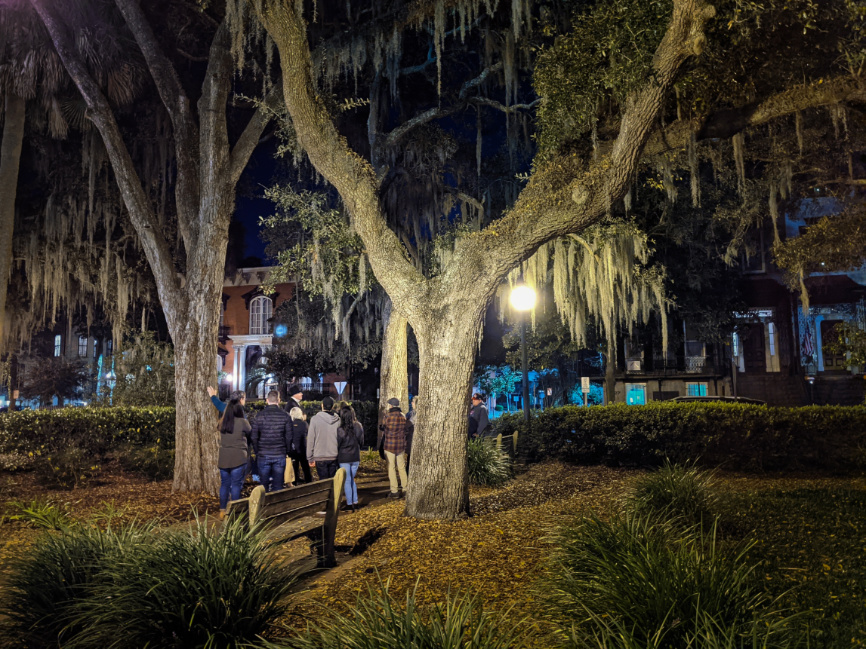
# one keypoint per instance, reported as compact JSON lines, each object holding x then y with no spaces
{"x":272,"y":438}
{"x":296,"y":395}
{"x":298,"y":453}
{"x":478,"y":419}
{"x":234,"y":431}
{"x":350,"y":437}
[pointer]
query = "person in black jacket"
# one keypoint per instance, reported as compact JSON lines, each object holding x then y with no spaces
{"x":350,"y":437}
{"x":272,"y":439}
{"x":299,"y":446}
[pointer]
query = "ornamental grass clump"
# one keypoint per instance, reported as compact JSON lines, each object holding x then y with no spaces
{"x":48,"y":582}
{"x":681,"y":492}
{"x":135,"y":586}
{"x":489,"y":465}
{"x":379,"y":621}
{"x":660,"y":582}
{"x":193,"y":588}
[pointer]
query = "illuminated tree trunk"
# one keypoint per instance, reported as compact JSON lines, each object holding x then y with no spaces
{"x":394,"y":378}
{"x":10,"y":161}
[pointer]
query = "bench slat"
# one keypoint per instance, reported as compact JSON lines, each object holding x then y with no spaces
{"x":291,"y":493}
{"x":292,"y":514}
{"x":270,"y":509}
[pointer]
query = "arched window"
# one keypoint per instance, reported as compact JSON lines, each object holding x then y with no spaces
{"x":261,"y":310}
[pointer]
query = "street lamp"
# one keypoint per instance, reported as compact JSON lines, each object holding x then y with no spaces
{"x":523,"y":299}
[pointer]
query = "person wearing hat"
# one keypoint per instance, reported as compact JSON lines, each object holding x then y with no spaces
{"x":478,"y":419}
{"x":298,"y":454}
{"x":296,"y":395}
{"x":394,"y":430}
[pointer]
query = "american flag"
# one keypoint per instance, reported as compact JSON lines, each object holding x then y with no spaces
{"x":808,"y":344}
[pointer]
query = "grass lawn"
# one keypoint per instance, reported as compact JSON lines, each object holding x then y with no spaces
{"x":811,"y":543}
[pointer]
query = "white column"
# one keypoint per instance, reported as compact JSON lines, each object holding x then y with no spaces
{"x":242,"y":367}
{"x":235,"y":368}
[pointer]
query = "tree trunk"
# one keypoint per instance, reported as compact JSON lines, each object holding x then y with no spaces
{"x":447,"y":342}
{"x":609,"y":369}
{"x":10,"y":161}
{"x":394,"y":377}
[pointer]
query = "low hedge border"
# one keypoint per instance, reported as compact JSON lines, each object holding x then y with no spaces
{"x":98,"y":430}
{"x":732,"y":436}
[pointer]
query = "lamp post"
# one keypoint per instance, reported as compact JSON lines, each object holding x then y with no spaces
{"x":523,"y":299}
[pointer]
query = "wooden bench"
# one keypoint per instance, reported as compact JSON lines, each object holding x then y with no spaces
{"x":295,"y":512}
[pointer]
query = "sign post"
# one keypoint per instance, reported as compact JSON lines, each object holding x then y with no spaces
{"x":584,"y":386}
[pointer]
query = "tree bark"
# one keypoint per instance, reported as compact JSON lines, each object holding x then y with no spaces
{"x":394,"y":372}
{"x":10,"y":162}
{"x":447,"y":342}
{"x":207,"y":173}
{"x":609,"y":371}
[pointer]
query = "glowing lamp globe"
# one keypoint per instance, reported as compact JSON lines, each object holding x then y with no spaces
{"x":522,"y":298}
{"x":281,"y":330}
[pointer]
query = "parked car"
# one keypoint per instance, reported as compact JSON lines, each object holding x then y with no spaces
{"x":754,"y":402}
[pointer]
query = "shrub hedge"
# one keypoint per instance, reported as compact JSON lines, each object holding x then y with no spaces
{"x":734,"y":436}
{"x":93,"y":430}
{"x":97,"y":430}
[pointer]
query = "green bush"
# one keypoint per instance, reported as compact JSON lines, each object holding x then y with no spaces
{"x":66,"y":469}
{"x":488,"y":464}
{"x":153,"y":462}
{"x":40,"y":513}
{"x":675,"y":491}
{"x":707,"y":633}
{"x":48,"y":581}
{"x":93,"y":588}
{"x":93,"y":430}
{"x":736,"y":436}
{"x":658,"y":581}
{"x":377,"y":621}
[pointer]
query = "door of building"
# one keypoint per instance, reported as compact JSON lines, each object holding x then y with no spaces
{"x":832,"y":362}
{"x":752,"y":337}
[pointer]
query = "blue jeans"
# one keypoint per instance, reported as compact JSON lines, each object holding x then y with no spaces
{"x":231,"y":481}
{"x":350,"y":488}
{"x":272,"y":468}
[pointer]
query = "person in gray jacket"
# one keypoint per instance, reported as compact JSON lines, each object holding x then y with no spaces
{"x":322,"y":441}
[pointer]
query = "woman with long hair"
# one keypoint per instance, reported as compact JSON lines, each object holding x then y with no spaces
{"x":234,"y":454}
{"x":350,"y":436}
{"x":299,"y":446}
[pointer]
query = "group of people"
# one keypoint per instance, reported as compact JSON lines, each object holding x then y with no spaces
{"x":331,"y":441}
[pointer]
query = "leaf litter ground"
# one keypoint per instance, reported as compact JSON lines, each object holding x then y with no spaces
{"x":809,"y":531}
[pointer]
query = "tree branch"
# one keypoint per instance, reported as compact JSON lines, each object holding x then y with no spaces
{"x":436,"y":113}
{"x":566,"y":195}
{"x":179,"y":107}
{"x":250,"y":138}
{"x":140,"y":211}
{"x":484,"y":101}
{"x":330,"y":154}
{"x":728,"y":122}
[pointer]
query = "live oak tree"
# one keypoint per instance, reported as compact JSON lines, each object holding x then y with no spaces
{"x":563,"y":195}
{"x":207,"y":166}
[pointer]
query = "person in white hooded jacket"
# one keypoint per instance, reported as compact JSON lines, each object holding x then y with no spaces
{"x":322,"y":441}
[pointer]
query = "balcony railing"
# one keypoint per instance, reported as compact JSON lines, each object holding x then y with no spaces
{"x":706,"y":365}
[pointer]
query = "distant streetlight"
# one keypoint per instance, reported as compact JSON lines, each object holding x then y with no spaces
{"x":523,"y":299}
